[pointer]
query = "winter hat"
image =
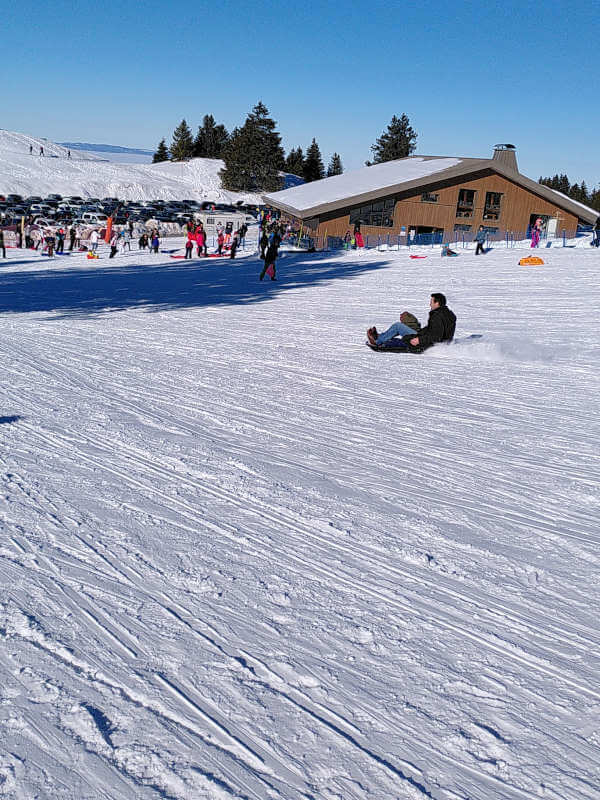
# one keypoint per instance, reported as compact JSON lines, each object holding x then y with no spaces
{"x":409,"y":319}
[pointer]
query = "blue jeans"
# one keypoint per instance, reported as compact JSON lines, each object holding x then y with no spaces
{"x":397,"y":329}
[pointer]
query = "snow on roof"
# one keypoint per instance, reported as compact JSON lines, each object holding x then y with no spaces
{"x":576,"y":202}
{"x":361,"y":181}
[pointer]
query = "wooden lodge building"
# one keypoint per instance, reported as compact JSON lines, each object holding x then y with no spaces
{"x":447,"y":197}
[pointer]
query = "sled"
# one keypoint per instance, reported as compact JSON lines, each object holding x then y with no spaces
{"x":417,"y":256}
{"x":530,"y":261}
{"x":396,"y":345}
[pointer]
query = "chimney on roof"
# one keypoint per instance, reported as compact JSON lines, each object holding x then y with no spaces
{"x":506,"y":155}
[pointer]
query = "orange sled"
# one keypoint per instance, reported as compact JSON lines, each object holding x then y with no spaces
{"x":530,"y":261}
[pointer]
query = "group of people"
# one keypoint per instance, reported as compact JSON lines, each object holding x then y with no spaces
{"x":227,"y":239}
{"x":440,"y":328}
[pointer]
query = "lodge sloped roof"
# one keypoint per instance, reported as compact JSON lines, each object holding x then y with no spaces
{"x":404,"y":175}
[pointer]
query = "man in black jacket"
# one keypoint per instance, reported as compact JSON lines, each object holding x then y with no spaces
{"x":440,"y":326}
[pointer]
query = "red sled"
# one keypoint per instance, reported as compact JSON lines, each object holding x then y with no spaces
{"x":418,"y":256}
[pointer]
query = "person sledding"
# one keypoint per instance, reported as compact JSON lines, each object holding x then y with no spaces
{"x":408,"y":325}
{"x":440,"y":328}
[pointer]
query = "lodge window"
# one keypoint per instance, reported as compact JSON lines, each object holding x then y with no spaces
{"x":462,"y":228}
{"x":493,"y":202}
{"x":429,"y":197}
{"x":378,"y":214}
{"x":489,"y":229}
{"x":466,"y":203}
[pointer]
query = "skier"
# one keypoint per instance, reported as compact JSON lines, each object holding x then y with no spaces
{"x":41,"y":150}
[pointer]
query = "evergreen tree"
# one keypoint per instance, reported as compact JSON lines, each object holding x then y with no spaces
{"x":595,"y":199}
{"x":253,"y":154}
{"x":182,"y":146}
{"x":335,"y":165}
{"x":162,"y":154}
{"x":210,"y":139}
{"x":294,"y":163}
{"x":313,"y":163}
{"x":399,"y":141}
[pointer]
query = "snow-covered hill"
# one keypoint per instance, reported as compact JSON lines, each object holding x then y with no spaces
{"x":244,"y":557}
{"x":86,"y":175}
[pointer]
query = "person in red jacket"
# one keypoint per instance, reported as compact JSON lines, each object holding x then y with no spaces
{"x":200,"y":241}
{"x":220,"y":242}
{"x":189,"y":244}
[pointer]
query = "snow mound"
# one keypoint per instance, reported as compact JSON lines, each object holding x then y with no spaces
{"x":84,"y":174}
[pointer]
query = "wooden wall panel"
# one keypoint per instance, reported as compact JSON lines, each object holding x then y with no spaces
{"x":518,"y":204}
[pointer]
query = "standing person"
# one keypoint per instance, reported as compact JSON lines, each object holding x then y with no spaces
{"x":72,"y":237}
{"x":200,"y":240}
{"x":50,"y":242}
{"x":536,"y":233}
{"x":154,"y":242}
{"x":113,"y":244}
{"x":270,"y":259}
{"x":68,"y":154}
{"x":189,"y":244}
{"x":2,"y":245}
{"x":60,"y":244}
{"x":94,"y":240}
{"x":228,"y":232}
{"x":235,"y":240}
{"x":30,"y":149}
{"x":143,"y":241}
{"x":480,"y":238}
{"x":263,"y":243}
{"x":127,"y":238}
{"x":220,"y":241}
{"x":243,"y":232}
{"x":41,"y":150}
{"x":597,"y":232}
{"x":219,"y":228}
{"x":27,"y":232}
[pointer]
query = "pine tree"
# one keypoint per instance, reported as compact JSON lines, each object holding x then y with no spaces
{"x":313,"y":163}
{"x":162,"y":154}
{"x":210,"y":139}
{"x":399,"y":141}
{"x":253,"y":154}
{"x":335,"y":165}
{"x":294,"y":163}
{"x":182,"y":146}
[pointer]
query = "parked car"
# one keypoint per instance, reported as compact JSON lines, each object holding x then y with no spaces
{"x":14,"y":198}
{"x":54,"y":197}
{"x":94,"y":219}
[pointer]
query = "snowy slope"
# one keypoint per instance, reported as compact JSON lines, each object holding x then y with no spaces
{"x":243,"y":556}
{"x":86,"y":176}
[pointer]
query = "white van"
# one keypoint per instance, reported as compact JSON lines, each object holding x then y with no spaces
{"x":210,"y":219}
{"x":94,"y":219}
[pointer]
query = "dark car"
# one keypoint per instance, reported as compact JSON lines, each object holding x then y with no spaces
{"x":56,"y":197}
{"x":14,"y":198}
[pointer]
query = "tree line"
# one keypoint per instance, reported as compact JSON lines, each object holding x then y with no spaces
{"x":576,"y":191}
{"x":254,"y":157}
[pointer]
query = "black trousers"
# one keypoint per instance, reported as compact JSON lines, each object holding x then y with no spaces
{"x":479,"y":249}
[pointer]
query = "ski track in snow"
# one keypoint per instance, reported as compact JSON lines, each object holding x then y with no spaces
{"x":244,"y":556}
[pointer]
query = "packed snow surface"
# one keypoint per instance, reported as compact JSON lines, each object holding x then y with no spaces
{"x":361,"y":181}
{"x":243,"y":556}
{"x":89,"y":175}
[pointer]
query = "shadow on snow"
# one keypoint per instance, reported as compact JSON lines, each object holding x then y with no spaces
{"x":83,"y":292}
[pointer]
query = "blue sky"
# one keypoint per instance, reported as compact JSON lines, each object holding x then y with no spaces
{"x":468,"y":75}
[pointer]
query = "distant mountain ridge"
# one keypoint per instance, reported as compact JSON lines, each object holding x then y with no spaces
{"x":106,"y":148}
